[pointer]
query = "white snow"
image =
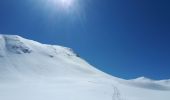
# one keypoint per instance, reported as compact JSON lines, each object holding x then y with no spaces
{"x":33,"y":71}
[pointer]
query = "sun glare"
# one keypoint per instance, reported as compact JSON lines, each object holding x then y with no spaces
{"x":64,"y":4}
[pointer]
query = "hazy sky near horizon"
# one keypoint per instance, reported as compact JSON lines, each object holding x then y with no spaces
{"x":125,"y":38}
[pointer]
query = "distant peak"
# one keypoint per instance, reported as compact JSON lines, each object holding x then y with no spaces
{"x":143,"y":79}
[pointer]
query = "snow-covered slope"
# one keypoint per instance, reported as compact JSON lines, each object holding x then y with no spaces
{"x":33,"y":71}
{"x":22,"y":58}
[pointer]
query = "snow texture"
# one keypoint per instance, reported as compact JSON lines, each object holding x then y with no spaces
{"x":33,"y":71}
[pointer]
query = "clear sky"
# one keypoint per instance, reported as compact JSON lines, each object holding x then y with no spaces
{"x":125,"y":38}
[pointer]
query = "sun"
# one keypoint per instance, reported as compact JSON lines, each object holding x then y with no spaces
{"x":66,"y":3}
{"x":63,"y":4}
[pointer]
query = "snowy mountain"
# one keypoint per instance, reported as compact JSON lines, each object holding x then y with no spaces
{"x":33,"y":71}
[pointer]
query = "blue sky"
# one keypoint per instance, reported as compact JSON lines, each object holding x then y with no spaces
{"x":125,"y":38}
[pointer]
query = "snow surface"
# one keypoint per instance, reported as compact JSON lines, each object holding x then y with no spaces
{"x":33,"y":71}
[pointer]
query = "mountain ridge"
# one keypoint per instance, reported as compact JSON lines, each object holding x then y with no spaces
{"x":18,"y":51}
{"x":18,"y":45}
